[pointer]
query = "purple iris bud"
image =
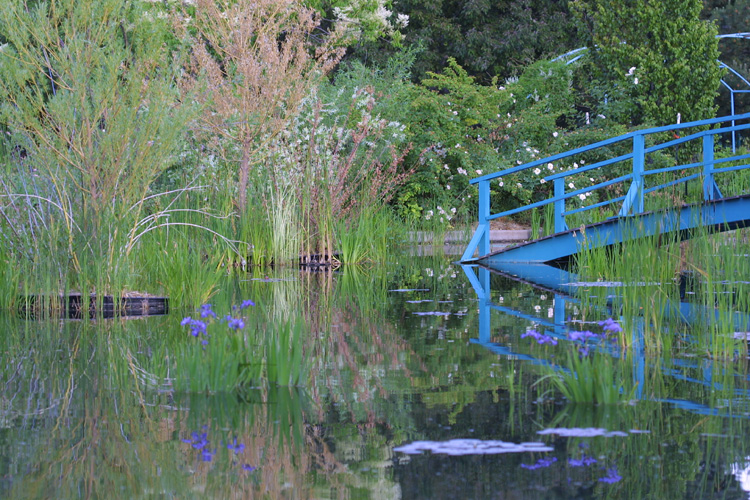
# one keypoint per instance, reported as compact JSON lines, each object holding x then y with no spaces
{"x":248,"y":467}
{"x":186,"y":321}
{"x":583,"y":351}
{"x":611,"y":477}
{"x":247,"y":303}
{"x":207,"y":455}
{"x":204,"y":342}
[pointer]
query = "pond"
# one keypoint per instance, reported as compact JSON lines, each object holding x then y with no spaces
{"x":413,"y":387}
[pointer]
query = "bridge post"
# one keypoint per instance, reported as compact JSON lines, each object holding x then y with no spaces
{"x":710,"y":190}
{"x":560,"y":225}
{"x":639,"y":157}
{"x":484,"y":214}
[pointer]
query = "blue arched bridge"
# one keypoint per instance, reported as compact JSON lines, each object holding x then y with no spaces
{"x":675,"y":178}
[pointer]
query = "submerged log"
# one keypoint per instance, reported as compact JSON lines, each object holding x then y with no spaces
{"x":73,"y":306}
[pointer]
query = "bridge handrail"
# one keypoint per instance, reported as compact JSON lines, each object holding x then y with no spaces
{"x":613,"y":140}
{"x":633,"y":200}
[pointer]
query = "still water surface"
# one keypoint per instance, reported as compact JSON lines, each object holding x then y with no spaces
{"x":406,"y":398}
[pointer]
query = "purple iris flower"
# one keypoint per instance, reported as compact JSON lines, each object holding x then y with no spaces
{"x":542,"y":462}
{"x":196,"y":326}
{"x":207,"y":455}
{"x":248,"y":467}
{"x":206,"y":311}
{"x":237,"y":448}
{"x":610,"y":325}
{"x":546,"y":339}
{"x":531,"y":333}
{"x":539,"y":337}
{"x":611,"y":477}
{"x":582,"y":336}
{"x":246,"y":303}
{"x":236,"y":323}
{"x":584,"y":461}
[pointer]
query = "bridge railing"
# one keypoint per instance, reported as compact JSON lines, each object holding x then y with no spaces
{"x":633,"y":200}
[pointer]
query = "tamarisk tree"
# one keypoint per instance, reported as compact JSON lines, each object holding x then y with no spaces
{"x":253,"y":63}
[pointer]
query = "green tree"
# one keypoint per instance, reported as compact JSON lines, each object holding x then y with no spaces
{"x":485,"y":38}
{"x":734,"y":17}
{"x":657,"y":56}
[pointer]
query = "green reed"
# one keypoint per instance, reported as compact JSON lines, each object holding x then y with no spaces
{"x":596,"y":378}
{"x":645,"y":275}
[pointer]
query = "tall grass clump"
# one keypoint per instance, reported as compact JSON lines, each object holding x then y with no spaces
{"x":593,"y":380}
{"x":306,"y":160}
{"x":88,"y":95}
